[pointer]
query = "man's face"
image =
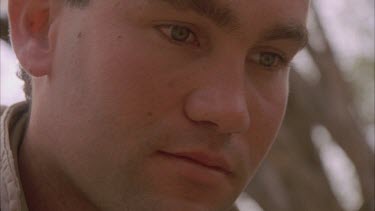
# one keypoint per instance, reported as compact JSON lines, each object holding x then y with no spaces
{"x":165,"y":107}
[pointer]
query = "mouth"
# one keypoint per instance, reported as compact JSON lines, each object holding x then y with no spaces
{"x":208,"y":160}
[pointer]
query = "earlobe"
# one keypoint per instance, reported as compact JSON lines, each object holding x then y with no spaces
{"x":30,"y":25}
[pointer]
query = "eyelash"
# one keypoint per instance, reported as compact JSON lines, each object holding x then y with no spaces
{"x":280,"y":63}
{"x":166,"y":30}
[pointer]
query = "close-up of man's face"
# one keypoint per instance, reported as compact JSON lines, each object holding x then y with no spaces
{"x":162,"y":104}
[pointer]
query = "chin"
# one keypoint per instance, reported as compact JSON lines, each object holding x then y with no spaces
{"x":185,"y":205}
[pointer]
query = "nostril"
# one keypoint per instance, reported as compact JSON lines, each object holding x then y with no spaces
{"x":225,"y":112}
{"x":207,"y":124}
{"x":199,"y":119}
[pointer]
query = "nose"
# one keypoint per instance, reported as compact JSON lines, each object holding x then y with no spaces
{"x":222,"y":105}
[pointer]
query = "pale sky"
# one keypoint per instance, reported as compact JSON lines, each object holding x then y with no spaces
{"x":10,"y":86}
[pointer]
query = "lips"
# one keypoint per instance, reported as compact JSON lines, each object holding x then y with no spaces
{"x":210,"y":160}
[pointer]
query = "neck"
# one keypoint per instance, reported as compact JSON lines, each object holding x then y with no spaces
{"x":45,"y":185}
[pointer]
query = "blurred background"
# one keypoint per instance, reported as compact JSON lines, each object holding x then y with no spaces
{"x":323,"y":159}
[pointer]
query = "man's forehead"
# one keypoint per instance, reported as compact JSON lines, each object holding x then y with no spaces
{"x":220,"y":13}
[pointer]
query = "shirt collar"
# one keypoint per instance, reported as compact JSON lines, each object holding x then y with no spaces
{"x":13,"y":123}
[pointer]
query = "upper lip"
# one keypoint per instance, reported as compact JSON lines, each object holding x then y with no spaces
{"x":208,"y":159}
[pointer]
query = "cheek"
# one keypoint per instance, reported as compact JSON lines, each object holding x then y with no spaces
{"x":268,"y":123}
{"x":128,"y":79}
{"x":267,"y":109}
{"x":120,"y":64}
{"x":266,"y":116}
{"x":255,"y":145}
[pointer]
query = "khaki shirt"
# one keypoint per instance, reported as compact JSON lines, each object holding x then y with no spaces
{"x":12,"y":127}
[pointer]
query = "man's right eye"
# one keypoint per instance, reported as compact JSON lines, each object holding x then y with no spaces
{"x":179,"y":34}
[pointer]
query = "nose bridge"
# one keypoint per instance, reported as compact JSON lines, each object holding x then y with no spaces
{"x":221,"y":99}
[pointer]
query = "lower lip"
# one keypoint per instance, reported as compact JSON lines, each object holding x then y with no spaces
{"x":193,"y":171}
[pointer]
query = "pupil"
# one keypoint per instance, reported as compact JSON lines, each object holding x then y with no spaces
{"x":267,"y":60}
{"x":180,"y":33}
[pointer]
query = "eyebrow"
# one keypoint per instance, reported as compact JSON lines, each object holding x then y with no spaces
{"x":221,"y":15}
{"x":291,"y":31}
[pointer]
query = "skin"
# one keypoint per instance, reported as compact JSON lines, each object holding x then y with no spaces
{"x":112,"y":89}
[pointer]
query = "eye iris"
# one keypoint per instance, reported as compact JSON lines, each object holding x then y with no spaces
{"x":180,"y":33}
{"x":267,"y":59}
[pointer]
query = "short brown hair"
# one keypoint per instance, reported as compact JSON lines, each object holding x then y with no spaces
{"x":22,"y":73}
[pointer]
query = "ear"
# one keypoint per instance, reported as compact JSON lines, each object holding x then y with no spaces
{"x":30,"y":28}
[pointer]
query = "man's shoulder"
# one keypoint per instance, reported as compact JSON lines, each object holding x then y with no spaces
{"x":16,"y":108}
{"x":13,"y":111}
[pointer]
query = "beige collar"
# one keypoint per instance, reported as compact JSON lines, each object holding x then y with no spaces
{"x":13,"y":124}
